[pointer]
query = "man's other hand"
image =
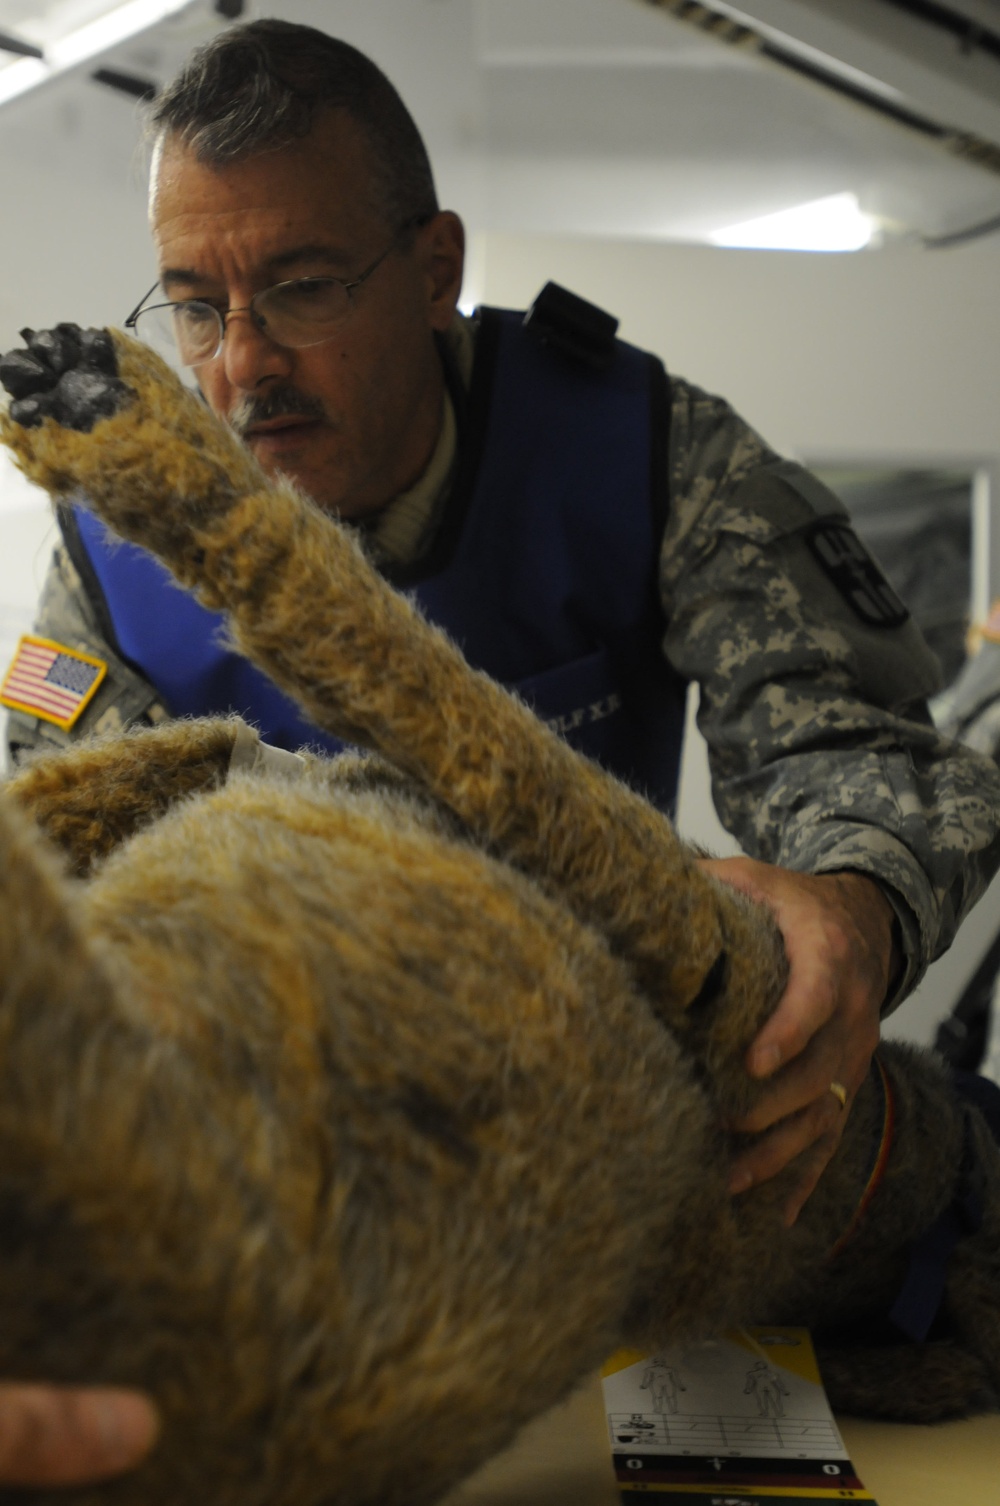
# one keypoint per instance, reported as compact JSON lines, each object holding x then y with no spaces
{"x":53,"y":1435}
{"x":838,"y":933}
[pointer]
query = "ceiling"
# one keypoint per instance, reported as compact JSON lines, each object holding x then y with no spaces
{"x":593,"y":117}
{"x":605,"y":118}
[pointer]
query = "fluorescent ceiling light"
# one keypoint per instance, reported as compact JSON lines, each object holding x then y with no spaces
{"x":108,"y":30}
{"x":84,"y":42}
{"x":17,"y":78}
{"x":831,"y":224}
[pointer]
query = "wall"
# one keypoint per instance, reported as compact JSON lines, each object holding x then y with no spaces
{"x":891,"y":355}
{"x":26,"y":534}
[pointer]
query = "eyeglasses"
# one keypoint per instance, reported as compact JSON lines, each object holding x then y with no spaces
{"x":304,"y":311}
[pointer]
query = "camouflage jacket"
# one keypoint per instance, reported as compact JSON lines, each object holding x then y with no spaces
{"x":813,"y":698}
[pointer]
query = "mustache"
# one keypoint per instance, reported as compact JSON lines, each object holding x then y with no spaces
{"x":280,"y":402}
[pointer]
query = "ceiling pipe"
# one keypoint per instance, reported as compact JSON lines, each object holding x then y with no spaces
{"x":22,"y":49}
{"x":126,"y":83}
{"x":969,"y":147}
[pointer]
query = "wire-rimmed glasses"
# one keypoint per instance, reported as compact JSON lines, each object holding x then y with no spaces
{"x":300,"y":312}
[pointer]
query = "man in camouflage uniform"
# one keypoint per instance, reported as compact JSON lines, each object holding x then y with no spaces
{"x":877,"y":836}
{"x":870,"y":835}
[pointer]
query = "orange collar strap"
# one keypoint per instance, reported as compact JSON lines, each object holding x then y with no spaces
{"x":880,"y":1159}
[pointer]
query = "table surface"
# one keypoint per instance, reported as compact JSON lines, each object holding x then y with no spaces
{"x":564,"y":1459}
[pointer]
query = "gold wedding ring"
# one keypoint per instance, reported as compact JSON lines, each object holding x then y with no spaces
{"x":840,"y":1093}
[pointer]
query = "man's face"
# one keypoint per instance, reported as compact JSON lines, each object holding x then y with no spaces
{"x":352,"y":421}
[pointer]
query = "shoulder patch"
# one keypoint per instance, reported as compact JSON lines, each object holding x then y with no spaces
{"x":843,"y":558}
{"x":51,"y":681}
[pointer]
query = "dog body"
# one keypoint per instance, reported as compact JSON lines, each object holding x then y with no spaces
{"x":358,"y":1113}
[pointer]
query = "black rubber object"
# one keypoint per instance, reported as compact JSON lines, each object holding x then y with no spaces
{"x":67,"y":373}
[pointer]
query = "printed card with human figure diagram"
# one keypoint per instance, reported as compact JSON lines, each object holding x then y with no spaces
{"x":741,"y":1419}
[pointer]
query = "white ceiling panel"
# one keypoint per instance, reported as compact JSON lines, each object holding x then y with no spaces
{"x":593,"y":117}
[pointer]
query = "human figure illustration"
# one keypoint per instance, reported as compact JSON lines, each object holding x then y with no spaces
{"x":769,"y":1389}
{"x":662,"y":1381}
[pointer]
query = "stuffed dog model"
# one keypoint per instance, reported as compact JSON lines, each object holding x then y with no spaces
{"x":358,"y":1108}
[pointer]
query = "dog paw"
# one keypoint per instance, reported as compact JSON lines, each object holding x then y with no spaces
{"x":99,"y":418}
{"x":67,"y":374}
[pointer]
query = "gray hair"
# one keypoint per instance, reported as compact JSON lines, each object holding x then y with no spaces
{"x":257,"y":87}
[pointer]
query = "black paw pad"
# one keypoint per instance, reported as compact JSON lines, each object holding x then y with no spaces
{"x":58,"y":349}
{"x":67,"y":373}
{"x":24,"y":375}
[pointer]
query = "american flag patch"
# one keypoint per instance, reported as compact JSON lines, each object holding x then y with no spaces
{"x":49,"y":680}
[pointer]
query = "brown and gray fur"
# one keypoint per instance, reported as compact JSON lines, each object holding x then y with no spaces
{"x":358,"y":1116}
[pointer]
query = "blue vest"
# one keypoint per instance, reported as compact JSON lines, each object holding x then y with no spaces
{"x":544,"y":568}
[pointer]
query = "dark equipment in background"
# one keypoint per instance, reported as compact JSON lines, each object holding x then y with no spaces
{"x":961,"y":1036}
{"x":132,"y":84}
{"x":15,"y":45}
{"x":126,"y":83}
{"x":918,"y":523}
{"x":970,"y":711}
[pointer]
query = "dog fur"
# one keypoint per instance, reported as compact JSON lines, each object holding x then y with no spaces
{"x":359,"y":1114}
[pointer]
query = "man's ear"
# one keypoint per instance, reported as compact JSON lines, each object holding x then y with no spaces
{"x":441,"y":247}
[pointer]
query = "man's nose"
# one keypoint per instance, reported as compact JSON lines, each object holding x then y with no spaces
{"x":249,"y":354}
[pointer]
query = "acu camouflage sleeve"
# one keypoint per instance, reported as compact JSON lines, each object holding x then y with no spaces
{"x":67,"y":616}
{"x":822,"y":752}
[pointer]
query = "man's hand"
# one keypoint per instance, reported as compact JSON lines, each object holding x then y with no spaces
{"x":51,"y":1435}
{"x":838,"y":934}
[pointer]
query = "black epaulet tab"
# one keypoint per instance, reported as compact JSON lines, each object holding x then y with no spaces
{"x":573,"y":326}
